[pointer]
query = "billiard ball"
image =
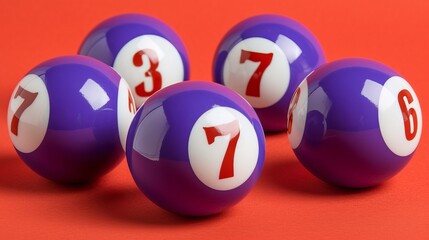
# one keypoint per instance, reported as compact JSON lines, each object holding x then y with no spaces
{"x":68,"y":119}
{"x":144,"y":50}
{"x":195,"y":148}
{"x":264,"y":58}
{"x":354,"y":122}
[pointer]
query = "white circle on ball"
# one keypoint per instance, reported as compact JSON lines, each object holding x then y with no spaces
{"x":400,"y":116}
{"x":223,"y":148}
{"x":160,"y":63}
{"x":28,"y":114}
{"x":126,"y":110}
{"x":258,"y":70}
{"x":297,"y":114}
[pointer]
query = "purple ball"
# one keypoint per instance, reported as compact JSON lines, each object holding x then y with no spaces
{"x":68,"y":119}
{"x":195,"y":148}
{"x":264,"y":58}
{"x":144,"y":50}
{"x":354,"y":123}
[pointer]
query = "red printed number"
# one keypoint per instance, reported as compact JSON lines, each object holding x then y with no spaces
{"x":408,"y":113}
{"x":232,"y":128}
{"x":254,"y":85}
{"x":29,"y":98}
{"x":131,"y":103}
{"x":151,"y":72}
{"x":294,"y":103}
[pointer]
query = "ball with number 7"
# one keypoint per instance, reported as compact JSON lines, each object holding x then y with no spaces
{"x":195,"y":148}
{"x":68,"y":119}
{"x":264,"y":58}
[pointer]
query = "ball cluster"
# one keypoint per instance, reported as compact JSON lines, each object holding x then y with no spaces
{"x":196,"y":147}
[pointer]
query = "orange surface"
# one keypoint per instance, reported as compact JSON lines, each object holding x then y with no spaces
{"x":287,"y":202}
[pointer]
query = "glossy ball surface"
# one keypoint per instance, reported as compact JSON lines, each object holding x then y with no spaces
{"x":68,"y":119}
{"x":354,"y":123}
{"x":264,"y":58}
{"x":145,"y":51}
{"x":195,"y":148}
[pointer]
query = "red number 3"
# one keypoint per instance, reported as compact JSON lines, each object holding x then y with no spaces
{"x":232,"y":128}
{"x":151,"y":72}
{"x":29,"y":98}
{"x":407,"y":113}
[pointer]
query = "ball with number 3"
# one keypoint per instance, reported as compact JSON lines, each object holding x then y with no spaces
{"x":354,"y":122}
{"x":264,"y":58}
{"x":195,"y":148}
{"x":68,"y":119}
{"x":147,"y":53}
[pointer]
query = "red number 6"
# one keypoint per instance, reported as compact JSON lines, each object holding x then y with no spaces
{"x":407,"y":113}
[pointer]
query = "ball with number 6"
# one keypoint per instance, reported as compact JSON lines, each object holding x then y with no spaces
{"x":68,"y":119}
{"x":144,"y":50}
{"x":264,"y":58}
{"x":195,"y":148}
{"x":354,"y":122}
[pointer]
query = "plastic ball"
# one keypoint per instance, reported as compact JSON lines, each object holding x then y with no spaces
{"x":264,"y":58}
{"x":68,"y":119}
{"x":195,"y":148}
{"x":144,"y":50}
{"x":354,"y":123}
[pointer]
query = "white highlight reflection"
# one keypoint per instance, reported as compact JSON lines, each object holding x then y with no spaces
{"x":291,"y":49}
{"x":94,"y":94}
{"x":151,"y":133}
{"x":371,"y":90}
{"x":322,"y":104}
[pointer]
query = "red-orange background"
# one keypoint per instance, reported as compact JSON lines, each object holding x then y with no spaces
{"x":287,"y":202}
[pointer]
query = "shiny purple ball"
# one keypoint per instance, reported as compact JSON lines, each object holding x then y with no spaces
{"x":195,"y":148}
{"x":264,"y":58}
{"x":68,"y":119}
{"x":354,"y":122}
{"x":144,"y":50}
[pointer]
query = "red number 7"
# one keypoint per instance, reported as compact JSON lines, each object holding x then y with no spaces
{"x":29,"y":98}
{"x":254,"y":85}
{"x":232,"y":128}
{"x":294,"y":101}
